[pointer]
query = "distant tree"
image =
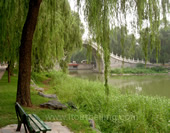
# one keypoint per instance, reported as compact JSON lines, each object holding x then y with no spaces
{"x":139,"y":53}
{"x":82,"y":54}
{"x":79,"y":55}
{"x":165,"y":46}
{"x":127,"y":44}
{"x":164,"y":55}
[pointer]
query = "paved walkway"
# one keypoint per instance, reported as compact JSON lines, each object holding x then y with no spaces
{"x":2,"y":70}
{"x":55,"y":126}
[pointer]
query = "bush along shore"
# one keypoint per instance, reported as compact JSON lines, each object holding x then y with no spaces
{"x":117,"y":113}
{"x":139,"y":70}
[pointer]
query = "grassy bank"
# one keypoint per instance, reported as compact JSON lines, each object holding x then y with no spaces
{"x":139,"y":70}
{"x":8,"y":115}
{"x":119,"y":113}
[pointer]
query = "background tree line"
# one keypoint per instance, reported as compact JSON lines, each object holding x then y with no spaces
{"x":133,"y":47}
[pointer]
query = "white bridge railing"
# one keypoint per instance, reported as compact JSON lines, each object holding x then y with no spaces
{"x":115,"y":56}
{"x":127,"y":60}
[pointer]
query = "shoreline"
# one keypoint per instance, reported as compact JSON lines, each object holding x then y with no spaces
{"x":142,"y":74}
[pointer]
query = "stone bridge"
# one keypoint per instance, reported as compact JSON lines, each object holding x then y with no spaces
{"x":115,"y":60}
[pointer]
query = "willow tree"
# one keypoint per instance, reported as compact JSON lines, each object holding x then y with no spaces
{"x":101,"y":15}
{"x":56,"y":35}
{"x":47,"y":41}
{"x":11,"y":24}
{"x":45,"y":45}
{"x":24,"y":76}
{"x":56,"y":39}
{"x":53,"y":33}
{"x":72,"y":38}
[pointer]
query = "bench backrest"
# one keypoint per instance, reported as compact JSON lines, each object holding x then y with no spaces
{"x":21,"y":114}
{"x":33,"y":122}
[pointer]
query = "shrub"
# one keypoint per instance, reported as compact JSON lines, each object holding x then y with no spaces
{"x":140,"y":65}
{"x":139,"y":70}
{"x":159,"y":69}
{"x":117,"y":71}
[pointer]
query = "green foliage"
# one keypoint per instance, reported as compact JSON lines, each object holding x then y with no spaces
{"x":119,"y":113}
{"x":122,"y":44}
{"x":145,"y":44}
{"x":12,"y":17}
{"x":79,"y":55}
{"x":37,"y":78}
{"x":139,"y":70}
{"x":97,"y":14}
{"x":82,"y":54}
{"x":165,"y":46}
{"x":140,"y":65}
{"x":159,"y":69}
{"x":58,"y":34}
{"x":101,"y":14}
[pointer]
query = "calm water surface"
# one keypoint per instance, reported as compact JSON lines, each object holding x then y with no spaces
{"x":152,"y":85}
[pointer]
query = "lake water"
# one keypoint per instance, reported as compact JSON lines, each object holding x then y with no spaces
{"x":152,"y":85}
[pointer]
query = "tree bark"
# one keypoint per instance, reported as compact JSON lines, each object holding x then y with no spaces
{"x":24,"y":76}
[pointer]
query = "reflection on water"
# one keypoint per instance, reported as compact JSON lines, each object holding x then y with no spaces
{"x":146,"y":85}
{"x":87,"y":74}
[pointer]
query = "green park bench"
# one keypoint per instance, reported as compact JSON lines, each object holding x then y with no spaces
{"x":31,"y":122}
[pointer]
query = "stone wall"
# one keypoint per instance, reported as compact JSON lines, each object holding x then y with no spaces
{"x":85,"y":66}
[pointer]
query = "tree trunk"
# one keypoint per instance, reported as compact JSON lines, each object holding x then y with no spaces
{"x":11,"y":68}
{"x":9,"y":72}
{"x":24,"y":76}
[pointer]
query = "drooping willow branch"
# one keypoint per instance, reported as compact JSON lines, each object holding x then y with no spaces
{"x":102,"y":15}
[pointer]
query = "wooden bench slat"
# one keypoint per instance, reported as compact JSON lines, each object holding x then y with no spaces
{"x":38,"y":119}
{"x":34,"y":127}
{"x":39,"y":125}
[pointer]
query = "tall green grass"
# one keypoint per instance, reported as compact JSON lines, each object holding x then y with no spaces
{"x":119,"y":113}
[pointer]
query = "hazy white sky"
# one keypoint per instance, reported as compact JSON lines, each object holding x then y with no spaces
{"x":85,"y":36}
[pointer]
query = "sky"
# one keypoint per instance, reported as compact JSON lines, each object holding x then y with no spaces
{"x":85,"y":36}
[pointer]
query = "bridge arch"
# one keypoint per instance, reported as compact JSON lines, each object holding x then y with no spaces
{"x":115,"y":60}
{"x":98,"y":56}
